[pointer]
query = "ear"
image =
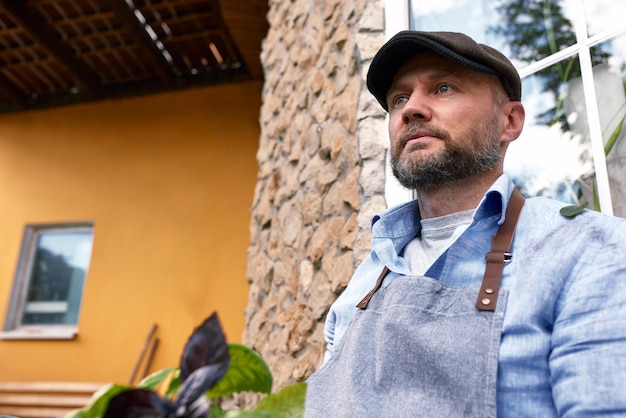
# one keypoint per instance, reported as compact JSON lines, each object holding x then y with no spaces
{"x":515,"y":115}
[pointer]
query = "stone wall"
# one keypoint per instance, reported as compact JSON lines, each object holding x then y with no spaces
{"x":321,"y":175}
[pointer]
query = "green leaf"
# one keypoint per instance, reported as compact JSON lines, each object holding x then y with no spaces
{"x":174,"y":385}
{"x":99,"y":402}
{"x":572,"y":210}
{"x":247,"y":373}
{"x":78,"y":413}
{"x":216,"y":412}
{"x":288,"y":402}
{"x":251,"y":414}
{"x":155,"y":379}
{"x":614,"y":136}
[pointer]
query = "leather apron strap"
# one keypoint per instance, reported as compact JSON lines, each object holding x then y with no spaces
{"x":499,"y":254}
{"x":366,"y":300}
{"x":496,"y":258}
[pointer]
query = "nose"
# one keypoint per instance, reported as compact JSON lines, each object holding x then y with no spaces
{"x":416,"y":108}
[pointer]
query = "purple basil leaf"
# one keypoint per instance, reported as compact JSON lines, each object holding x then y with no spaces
{"x":194,"y":387}
{"x":206,"y":346}
{"x":137,"y":403}
{"x":199,"y":408}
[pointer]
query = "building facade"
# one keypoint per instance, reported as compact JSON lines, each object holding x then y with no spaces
{"x":164,"y":184}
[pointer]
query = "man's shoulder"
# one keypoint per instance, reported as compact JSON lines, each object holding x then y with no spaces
{"x":549,"y":213}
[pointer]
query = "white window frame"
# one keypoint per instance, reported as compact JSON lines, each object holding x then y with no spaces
{"x":397,"y":18}
{"x":13,"y":328}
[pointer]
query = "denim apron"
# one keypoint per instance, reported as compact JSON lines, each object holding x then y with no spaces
{"x":420,"y":348}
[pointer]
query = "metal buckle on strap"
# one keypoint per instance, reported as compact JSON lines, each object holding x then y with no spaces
{"x":507,"y":257}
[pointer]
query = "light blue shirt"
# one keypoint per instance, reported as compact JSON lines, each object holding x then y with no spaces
{"x":563,"y":346}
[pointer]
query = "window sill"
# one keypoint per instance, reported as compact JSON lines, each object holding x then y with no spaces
{"x":41,"y":333}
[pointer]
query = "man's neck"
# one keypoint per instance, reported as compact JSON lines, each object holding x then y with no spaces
{"x":454,"y":197}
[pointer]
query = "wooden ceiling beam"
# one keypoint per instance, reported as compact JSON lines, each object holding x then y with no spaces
{"x":137,"y":30}
{"x":176,"y":3}
{"x":200,"y":34}
{"x":182,"y":19}
{"x":88,"y":18}
{"x":37,"y":29}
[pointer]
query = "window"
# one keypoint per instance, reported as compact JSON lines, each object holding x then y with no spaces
{"x":571,"y":55}
{"x":48,"y":285}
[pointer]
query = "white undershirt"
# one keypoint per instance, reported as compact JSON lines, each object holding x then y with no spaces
{"x":422,"y":251}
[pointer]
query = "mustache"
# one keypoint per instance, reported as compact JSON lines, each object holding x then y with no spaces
{"x":414,"y":127}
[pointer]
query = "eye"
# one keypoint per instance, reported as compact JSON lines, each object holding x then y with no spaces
{"x":444,"y":88}
{"x":397,"y":101}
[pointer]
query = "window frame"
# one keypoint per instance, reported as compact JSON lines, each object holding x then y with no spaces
{"x":13,"y":327}
{"x":397,"y":15}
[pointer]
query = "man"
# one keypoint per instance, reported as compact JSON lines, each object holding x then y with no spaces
{"x":474,"y":301}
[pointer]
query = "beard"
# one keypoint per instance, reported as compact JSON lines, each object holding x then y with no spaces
{"x":478,"y":154}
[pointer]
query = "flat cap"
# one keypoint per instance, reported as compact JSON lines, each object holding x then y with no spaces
{"x":455,"y":46}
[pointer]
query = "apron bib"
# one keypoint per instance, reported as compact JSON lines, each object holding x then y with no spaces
{"x":418,"y":348}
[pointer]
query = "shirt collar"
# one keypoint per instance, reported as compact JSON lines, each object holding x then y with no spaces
{"x":402,"y":222}
{"x":395,"y":227}
{"x":496,"y":200}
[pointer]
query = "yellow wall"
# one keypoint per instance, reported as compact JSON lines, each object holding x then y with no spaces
{"x":168,"y":181}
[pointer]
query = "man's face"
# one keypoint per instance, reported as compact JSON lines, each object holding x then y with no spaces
{"x":443,"y":123}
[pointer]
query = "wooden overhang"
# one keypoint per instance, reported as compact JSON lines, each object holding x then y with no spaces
{"x":58,"y":52}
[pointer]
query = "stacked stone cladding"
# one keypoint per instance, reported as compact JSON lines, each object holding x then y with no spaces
{"x":321,"y":175}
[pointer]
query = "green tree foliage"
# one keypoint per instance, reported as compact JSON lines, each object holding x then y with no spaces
{"x":536,"y":29}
